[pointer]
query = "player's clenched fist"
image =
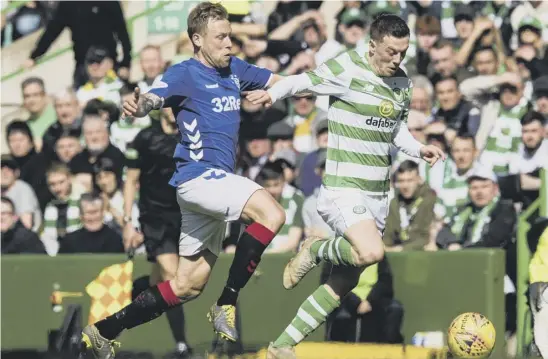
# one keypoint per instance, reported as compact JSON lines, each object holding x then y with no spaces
{"x":259,"y":97}
{"x":432,"y":154}
{"x":131,"y":105}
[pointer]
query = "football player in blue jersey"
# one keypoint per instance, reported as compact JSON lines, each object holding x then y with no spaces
{"x":204,"y":94}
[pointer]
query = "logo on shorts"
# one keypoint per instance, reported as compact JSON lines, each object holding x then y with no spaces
{"x":386,"y":108}
{"x":359,"y":209}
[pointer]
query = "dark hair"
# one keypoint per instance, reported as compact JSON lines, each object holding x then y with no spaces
{"x":531,"y":117}
{"x":89,"y":197}
{"x":93,"y":107}
{"x":486,"y":48}
{"x":10,"y":202}
{"x":127,"y":88}
{"x":270,"y":171}
{"x":199,"y":18}
{"x":388,"y":25}
{"x":19,"y":126}
{"x":70,"y":132}
{"x":437,"y":78}
{"x":466,"y":137}
{"x":98,"y":107}
{"x":33,"y":80}
{"x":407,"y":166}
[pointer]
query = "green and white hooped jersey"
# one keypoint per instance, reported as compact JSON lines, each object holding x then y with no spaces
{"x":364,"y":115}
{"x":450,"y":187}
{"x":504,"y":138}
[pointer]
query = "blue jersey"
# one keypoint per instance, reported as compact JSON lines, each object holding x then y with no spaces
{"x":206,"y":103}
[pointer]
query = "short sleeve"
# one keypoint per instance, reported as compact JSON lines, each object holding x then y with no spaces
{"x":251,"y":77}
{"x":173,"y":86}
{"x":133,"y":152}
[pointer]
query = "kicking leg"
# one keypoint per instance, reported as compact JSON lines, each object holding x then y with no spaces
{"x":192,"y":275}
{"x":360,"y":246}
{"x":315,"y":310}
{"x":165,"y":269}
{"x":266,"y":217}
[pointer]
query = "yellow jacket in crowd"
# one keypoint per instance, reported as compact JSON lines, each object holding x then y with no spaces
{"x":538,"y":268}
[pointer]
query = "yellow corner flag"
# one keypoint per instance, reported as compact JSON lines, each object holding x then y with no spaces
{"x":110,"y":291}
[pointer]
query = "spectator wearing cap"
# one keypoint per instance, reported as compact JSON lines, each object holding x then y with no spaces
{"x":21,"y":194}
{"x":96,"y":138}
{"x":499,"y":133}
{"x":352,"y":27}
{"x":314,"y":225}
{"x":443,"y":61}
{"x":124,"y":129}
{"x":62,"y":214}
{"x":103,"y":82}
{"x":16,"y":238}
{"x":540,"y":95}
{"x":32,"y":165}
{"x":410,"y":212}
{"x":304,"y":120}
{"x":423,"y":94}
{"x":94,"y":236}
{"x":528,"y":67}
{"x":37,"y":103}
{"x":281,"y":136}
{"x":271,"y":177}
{"x":257,"y":151}
{"x":68,"y":119}
{"x":486,"y":221}
{"x":309,"y":179}
{"x":92,"y":23}
{"x":460,"y":115}
{"x":530,"y":33}
{"x":152,"y":65}
{"x":527,"y":10}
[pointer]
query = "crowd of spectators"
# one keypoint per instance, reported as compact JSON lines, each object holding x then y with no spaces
{"x":480,"y":92}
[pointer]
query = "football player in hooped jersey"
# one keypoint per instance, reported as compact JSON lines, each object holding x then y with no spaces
{"x":367,"y":115}
{"x":204,"y":94}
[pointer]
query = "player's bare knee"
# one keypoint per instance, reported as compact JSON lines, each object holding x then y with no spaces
{"x":368,"y":256}
{"x":185,"y":290}
{"x":272,"y":217}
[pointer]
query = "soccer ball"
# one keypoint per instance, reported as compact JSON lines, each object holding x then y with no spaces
{"x":471,"y":335}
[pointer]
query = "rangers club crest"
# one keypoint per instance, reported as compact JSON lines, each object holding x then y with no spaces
{"x":236,"y":80}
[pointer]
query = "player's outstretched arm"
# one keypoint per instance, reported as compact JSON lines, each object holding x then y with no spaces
{"x":140,"y":105}
{"x":321,"y":81}
{"x":405,"y":142}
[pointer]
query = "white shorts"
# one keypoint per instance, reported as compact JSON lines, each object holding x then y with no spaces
{"x":207,"y":203}
{"x":342,"y":208}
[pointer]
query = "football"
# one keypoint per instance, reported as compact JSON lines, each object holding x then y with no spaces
{"x":471,"y":335}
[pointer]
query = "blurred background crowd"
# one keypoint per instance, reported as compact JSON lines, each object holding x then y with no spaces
{"x":479,"y":71}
